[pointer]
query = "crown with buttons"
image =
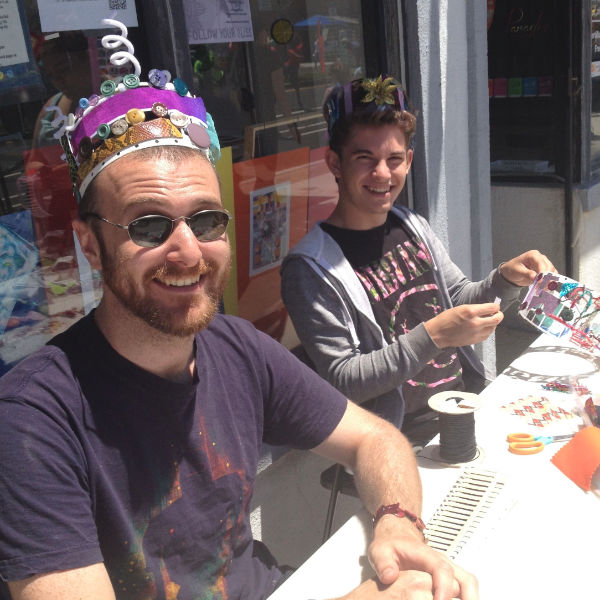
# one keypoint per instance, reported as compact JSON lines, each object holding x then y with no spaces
{"x":129,"y":115}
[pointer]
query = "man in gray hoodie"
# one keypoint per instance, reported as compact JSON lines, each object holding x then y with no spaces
{"x":380,"y":308}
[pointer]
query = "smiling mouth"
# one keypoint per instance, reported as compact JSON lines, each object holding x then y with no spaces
{"x":379,"y":190}
{"x":179,"y":281}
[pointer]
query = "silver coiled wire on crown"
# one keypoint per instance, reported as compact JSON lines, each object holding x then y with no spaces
{"x":112,"y":41}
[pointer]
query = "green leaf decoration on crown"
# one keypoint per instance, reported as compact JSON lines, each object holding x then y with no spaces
{"x":381,"y":91}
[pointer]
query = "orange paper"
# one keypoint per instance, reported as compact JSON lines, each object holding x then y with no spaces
{"x":580,"y":458}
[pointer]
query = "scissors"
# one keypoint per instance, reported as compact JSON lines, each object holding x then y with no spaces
{"x":525,"y":443}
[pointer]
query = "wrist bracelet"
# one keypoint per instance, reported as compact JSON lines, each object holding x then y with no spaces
{"x":394,"y":509}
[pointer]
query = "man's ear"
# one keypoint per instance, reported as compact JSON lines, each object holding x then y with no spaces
{"x":409,"y":158}
{"x":333,"y":163}
{"x":88,"y":242}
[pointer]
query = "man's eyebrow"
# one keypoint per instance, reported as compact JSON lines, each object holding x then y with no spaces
{"x":361,"y":151}
{"x":210,"y":202}
{"x":401,"y":153}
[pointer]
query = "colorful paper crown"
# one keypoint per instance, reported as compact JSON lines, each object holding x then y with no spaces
{"x":363,"y":95}
{"x":129,"y":115}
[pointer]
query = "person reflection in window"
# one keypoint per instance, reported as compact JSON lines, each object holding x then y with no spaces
{"x":269,"y":89}
{"x":65,"y":61}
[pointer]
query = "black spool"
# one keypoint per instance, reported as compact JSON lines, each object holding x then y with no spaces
{"x":457,"y":426}
{"x":457,"y":437}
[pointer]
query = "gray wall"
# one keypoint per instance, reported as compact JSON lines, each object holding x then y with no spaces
{"x":447,"y":79}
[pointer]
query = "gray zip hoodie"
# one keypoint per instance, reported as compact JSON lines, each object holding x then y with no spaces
{"x":334,"y":320}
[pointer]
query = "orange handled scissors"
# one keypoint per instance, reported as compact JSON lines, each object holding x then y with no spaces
{"x":525,"y":443}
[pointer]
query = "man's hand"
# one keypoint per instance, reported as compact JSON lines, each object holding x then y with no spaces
{"x":522,"y":269}
{"x":464,"y":325}
{"x":397,"y":546}
{"x":410,"y":585}
{"x":385,"y":472}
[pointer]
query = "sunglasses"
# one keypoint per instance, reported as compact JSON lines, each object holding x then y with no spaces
{"x":150,"y":231}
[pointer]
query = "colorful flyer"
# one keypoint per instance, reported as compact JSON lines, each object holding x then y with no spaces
{"x":563,"y":307}
{"x":270,"y":227}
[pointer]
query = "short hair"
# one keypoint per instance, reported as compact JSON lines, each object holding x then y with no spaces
{"x":374,"y":102}
{"x":172,"y":154}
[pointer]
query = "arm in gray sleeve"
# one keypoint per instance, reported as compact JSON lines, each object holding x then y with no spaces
{"x":325,"y":325}
{"x":461,"y":290}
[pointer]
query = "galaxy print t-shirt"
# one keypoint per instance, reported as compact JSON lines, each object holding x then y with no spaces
{"x":105,"y":462}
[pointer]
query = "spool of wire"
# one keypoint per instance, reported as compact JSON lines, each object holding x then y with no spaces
{"x":457,"y":427}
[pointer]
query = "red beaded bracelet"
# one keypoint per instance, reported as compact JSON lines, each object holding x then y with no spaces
{"x":394,"y":509}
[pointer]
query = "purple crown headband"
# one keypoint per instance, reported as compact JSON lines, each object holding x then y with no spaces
{"x":364,"y":95}
{"x":129,"y":115}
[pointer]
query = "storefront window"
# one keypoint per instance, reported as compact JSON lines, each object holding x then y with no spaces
{"x":262,"y":67}
{"x":595,"y":74}
{"x":266,"y":96}
{"x":271,"y":88}
{"x":45,"y":285}
{"x":527,"y":66}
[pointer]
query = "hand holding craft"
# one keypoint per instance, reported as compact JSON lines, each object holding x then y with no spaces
{"x":464,"y":325}
{"x":522,"y":269}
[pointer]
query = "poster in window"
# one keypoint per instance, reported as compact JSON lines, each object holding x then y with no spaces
{"x":17,"y":67}
{"x":58,"y":15}
{"x":223,"y":22}
{"x":269,"y":227}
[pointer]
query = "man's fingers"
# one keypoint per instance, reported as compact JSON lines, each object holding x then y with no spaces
{"x":469,"y":588}
{"x":383,"y":561}
{"x":445,"y":584}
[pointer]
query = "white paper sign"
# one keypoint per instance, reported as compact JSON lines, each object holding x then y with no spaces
{"x":218,"y":21}
{"x":13,"y":49}
{"x":67,"y":15}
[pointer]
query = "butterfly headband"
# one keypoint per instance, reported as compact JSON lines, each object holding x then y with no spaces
{"x":129,"y":114}
{"x":364,"y":95}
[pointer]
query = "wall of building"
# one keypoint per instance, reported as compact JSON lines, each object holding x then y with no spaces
{"x":447,"y":76}
{"x":587,"y":235}
{"x":525,"y":218}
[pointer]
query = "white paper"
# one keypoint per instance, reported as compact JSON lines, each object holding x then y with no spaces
{"x":68,"y":15}
{"x":13,"y":49}
{"x":218,"y":21}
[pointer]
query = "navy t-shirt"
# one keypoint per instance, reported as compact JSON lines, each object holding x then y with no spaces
{"x":105,"y":462}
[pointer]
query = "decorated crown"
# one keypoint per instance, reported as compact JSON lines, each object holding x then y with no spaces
{"x":129,"y":115}
{"x":363,"y":95}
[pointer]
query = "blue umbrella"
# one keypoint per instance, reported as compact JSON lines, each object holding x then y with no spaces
{"x":325,"y":21}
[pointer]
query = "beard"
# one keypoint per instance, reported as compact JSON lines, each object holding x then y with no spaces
{"x":190,"y":316}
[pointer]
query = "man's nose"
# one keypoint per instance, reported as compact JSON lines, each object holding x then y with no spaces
{"x":183,"y":246}
{"x":382,"y":169}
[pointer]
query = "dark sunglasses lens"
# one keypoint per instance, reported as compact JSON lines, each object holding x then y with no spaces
{"x":150,"y":231}
{"x":209,"y":225}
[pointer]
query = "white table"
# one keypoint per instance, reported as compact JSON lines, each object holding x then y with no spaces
{"x":546,"y":547}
